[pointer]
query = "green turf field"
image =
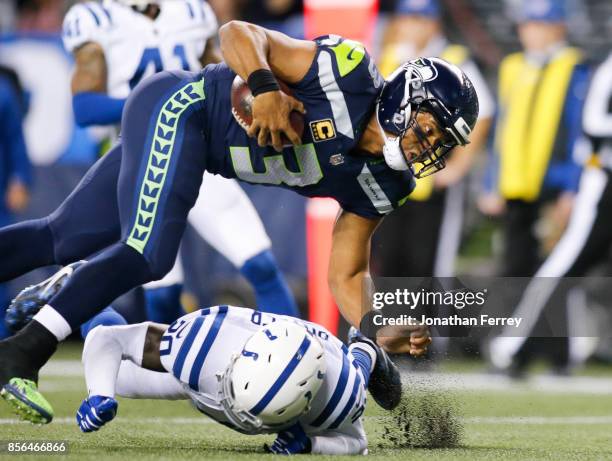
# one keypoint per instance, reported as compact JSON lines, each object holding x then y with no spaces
{"x":515,"y":423}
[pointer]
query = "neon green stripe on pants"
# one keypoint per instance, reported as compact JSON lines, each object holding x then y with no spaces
{"x":160,"y":156}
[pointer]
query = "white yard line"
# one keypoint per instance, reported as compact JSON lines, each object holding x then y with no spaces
{"x":487,"y":382}
{"x":62,"y":368}
{"x":160,"y":420}
{"x":448,"y":381}
{"x":538,"y":420}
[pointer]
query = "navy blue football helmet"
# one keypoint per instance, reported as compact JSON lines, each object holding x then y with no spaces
{"x":431,"y":85}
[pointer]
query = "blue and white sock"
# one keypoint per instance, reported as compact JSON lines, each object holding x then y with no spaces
{"x":364,"y":356}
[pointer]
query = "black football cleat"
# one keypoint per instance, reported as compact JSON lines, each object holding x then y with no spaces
{"x":31,"y":299}
{"x":18,"y":386}
{"x":385,"y":383}
{"x":21,"y":357}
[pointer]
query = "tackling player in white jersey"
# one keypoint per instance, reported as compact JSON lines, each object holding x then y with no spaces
{"x":117,"y":43}
{"x":251,"y":371}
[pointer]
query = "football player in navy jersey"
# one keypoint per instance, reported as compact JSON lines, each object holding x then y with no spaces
{"x":365,"y":139}
{"x":116,"y":44}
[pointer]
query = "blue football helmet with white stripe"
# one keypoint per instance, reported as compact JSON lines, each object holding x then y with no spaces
{"x":431,"y":85}
{"x":272,"y":382}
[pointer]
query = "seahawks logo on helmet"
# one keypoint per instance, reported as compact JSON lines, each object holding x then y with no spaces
{"x":425,"y":71}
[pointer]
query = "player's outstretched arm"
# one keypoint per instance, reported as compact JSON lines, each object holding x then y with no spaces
{"x":349,"y":262}
{"x":106,"y":347}
{"x":259,"y":55}
{"x":104,"y":350}
{"x":348,"y":267}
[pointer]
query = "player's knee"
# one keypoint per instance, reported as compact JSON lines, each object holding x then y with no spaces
{"x":41,"y":234}
{"x":159,"y":268}
{"x":139,"y":266}
{"x":41,"y":225}
{"x":125,"y":265}
{"x":261,"y":268}
{"x":55,"y":225}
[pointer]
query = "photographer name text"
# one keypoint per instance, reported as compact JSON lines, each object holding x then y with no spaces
{"x":453,"y":320}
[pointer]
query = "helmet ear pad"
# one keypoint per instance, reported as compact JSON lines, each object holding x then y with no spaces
{"x":394,"y":154}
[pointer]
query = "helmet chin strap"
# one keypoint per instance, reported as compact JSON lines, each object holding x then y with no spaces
{"x":394,"y":157}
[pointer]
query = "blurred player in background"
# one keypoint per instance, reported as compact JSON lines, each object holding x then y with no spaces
{"x":15,"y":175}
{"x":434,"y":211}
{"x":586,"y":242}
{"x":541,"y":93}
{"x":117,"y":43}
{"x":253,"y":372}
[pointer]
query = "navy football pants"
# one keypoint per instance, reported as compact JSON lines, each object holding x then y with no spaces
{"x":130,"y":209}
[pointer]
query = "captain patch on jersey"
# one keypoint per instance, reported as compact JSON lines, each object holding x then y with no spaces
{"x":322,"y":130}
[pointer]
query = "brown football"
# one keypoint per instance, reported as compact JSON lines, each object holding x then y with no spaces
{"x":242,"y":100}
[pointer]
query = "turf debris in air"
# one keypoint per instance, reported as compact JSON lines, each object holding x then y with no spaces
{"x":423,"y":419}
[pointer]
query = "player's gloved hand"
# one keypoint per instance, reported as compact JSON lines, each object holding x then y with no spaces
{"x":95,"y":412}
{"x":291,"y":441}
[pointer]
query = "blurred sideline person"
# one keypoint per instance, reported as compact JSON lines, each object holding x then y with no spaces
{"x":253,"y":372}
{"x":117,"y":43}
{"x":15,"y":173}
{"x":434,"y":211}
{"x":541,"y":92}
{"x":586,"y":242}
